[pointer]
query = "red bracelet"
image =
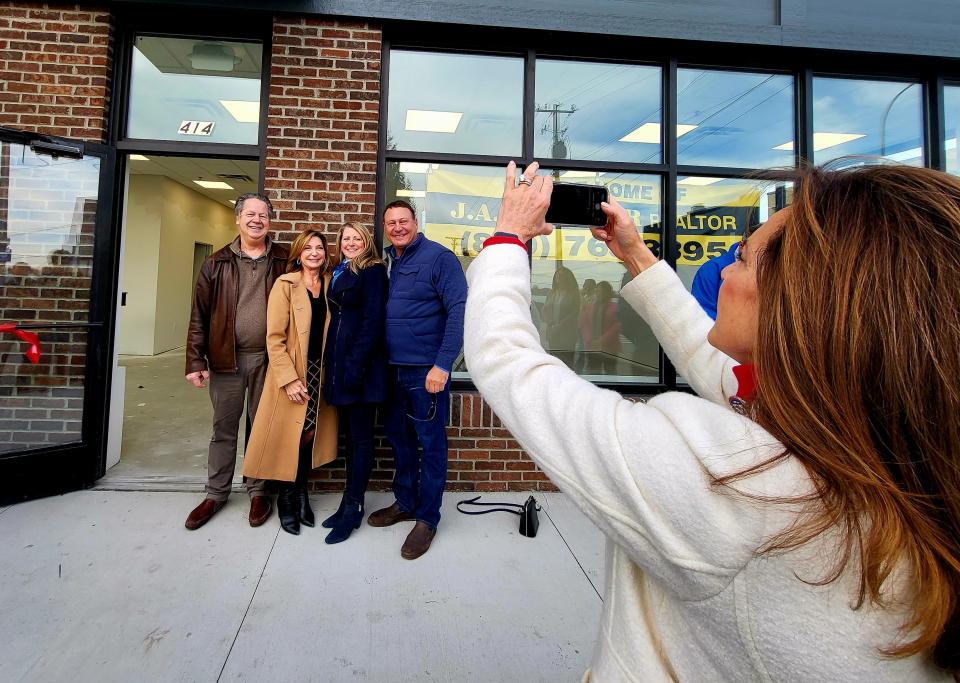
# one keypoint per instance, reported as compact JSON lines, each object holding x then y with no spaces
{"x":501,"y":239}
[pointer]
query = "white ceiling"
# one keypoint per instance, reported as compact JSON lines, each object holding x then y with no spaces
{"x":185,"y":170}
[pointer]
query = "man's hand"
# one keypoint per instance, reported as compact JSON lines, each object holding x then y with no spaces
{"x":524,"y":206}
{"x":198,"y":378}
{"x":296,"y":392}
{"x":621,"y":236}
{"x":436,"y":380}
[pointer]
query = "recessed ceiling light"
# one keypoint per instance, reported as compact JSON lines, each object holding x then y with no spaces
{"x":242,"y":110}
{"x":411,"y":193}
{"x":138,"y":157}
{"x":413,"y":167}
{"x":650,"y":133}
{"x":213,"y":184}
{"x":698,"y":180}
{"x":824,"y":141}
{"x":433,"y":121}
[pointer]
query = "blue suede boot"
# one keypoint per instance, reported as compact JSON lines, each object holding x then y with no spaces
{"x":349,"y":520}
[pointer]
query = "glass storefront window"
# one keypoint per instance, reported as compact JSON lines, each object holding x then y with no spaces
{"x":195,"y":90}
{"x":456,"y":103}
{"x":951,"y":114}
{"x":597,"y":111}
{"x":738,"y":119}
{"x":576,"y":283}
{"x":852,"y":116}
{"x":47,"y":233}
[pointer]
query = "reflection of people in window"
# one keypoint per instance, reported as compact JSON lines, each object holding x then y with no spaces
{"x":631,"y":324}
{"x":706,"y":283}
{"x":601,"y":331}
{"x":560,"y":313}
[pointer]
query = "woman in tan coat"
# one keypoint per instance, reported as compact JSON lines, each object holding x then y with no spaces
{"x":295,"y":430}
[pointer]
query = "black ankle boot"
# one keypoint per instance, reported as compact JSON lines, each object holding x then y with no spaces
{"x":331,"y":521}
{"x":303,"y":505}
{"x":287,"y":504}
{"x":349,"y":520}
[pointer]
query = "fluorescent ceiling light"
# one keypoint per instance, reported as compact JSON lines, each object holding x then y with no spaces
{"x":698,"y":180}
{"x":411,"y":193}
{"x":213,"y":184}
{"x":138,"y":157}
{"x":824,"y":141}
{"x":413,"y":167}
{"x":578,"y":174}
{"x":233,"y":202}
{"x":433,"y":121}
{"x":243,"y":111}
{"x":650,"y":132}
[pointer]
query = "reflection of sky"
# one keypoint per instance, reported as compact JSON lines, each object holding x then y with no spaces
{"x":45,"y":202}
{"x":740,"y":118}
{"x":951,"y":112}
{"x":842,"y":105}
{"x":160,"y":101}
{"x":487,"y":90}
{"x":611,"y":100}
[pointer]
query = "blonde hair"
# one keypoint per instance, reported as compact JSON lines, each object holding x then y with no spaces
{"x":365,"y":258}
{"x":857,"y":360}
{"x":293,"y":260}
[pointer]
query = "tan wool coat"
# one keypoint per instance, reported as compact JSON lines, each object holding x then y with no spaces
{"x":274,"y":446}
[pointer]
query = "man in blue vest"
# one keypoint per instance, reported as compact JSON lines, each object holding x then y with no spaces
{"x":424,"y":329}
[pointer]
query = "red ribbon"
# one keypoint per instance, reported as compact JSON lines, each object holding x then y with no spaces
{"x":746,"y":381}
{"x":32,"y":338}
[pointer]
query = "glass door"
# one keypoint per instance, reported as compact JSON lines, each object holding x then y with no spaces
{"x":55,"y":255}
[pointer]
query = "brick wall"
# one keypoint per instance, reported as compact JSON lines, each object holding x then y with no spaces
{"x":321,"y":166}
{"x":55,"y":61}
{"x":320,"y":172}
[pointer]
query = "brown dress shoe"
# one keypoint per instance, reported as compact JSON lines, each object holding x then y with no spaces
{"x":260,"y":509}
{"x":418,"y":541}
{"x":203,"y":512}
{"x":389,"y":516}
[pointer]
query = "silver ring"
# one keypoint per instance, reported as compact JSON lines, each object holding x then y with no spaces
{"x":524,"y":180}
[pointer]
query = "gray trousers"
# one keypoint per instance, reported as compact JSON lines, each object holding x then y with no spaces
{"x":227,"y":393}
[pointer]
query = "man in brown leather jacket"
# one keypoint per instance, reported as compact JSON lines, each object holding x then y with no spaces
{"x":226,"y":343}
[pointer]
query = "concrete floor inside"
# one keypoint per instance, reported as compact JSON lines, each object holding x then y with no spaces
{"x":166,"y":427}
{"x":108,"y":586}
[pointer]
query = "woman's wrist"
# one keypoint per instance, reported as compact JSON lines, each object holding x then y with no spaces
{"x":638,"y":260}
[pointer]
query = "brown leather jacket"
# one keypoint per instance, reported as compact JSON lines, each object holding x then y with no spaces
{"x":211,"y":343}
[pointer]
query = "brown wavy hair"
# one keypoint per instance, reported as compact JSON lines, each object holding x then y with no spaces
{"x":857,"y":360}
{"x":293,"y":259}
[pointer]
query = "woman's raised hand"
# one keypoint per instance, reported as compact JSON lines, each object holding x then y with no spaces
{"x":524,"y":206}
{"x":621,"y":236}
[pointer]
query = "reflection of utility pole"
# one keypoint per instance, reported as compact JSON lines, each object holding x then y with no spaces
{"x":558,"y":149}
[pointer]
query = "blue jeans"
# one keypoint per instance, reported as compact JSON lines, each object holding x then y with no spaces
{"x":417,"y":420}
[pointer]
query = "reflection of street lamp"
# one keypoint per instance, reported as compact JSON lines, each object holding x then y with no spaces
{"x":883,"y":120}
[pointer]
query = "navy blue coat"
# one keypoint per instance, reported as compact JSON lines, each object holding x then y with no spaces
{"x":355,"y":356}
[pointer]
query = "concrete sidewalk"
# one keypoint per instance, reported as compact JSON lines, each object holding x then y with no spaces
{"x":109,"y":586}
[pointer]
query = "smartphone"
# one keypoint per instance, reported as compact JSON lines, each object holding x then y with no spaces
{"x":573,"y":204}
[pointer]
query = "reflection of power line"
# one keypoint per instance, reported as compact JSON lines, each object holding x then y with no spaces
{"x":883,"y":119}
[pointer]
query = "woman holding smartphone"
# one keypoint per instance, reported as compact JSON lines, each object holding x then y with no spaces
{"x":356,"y":363}
{"x":295,"y":430}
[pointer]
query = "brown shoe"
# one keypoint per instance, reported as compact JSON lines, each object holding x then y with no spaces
{"x":418,"y":541}
{"x":203,"y":512}
{"x":260,"y":509}
{"x":389,"y":516}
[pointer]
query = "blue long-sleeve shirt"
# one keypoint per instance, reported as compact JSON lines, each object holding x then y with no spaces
{"x":427,"y":296}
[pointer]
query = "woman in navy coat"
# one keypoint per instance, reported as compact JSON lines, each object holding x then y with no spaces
{"x":355,"y":361}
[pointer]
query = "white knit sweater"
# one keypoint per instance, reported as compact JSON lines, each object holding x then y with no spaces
{"x":687,"y":595}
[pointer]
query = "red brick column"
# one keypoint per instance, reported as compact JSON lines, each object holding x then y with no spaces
{"x":321,"y":166}
{"x":56,"y":62}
